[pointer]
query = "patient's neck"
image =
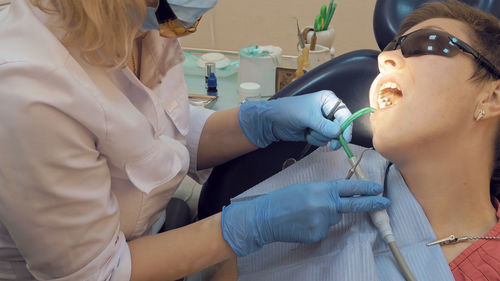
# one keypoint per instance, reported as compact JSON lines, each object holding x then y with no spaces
{"x":452,"y":186}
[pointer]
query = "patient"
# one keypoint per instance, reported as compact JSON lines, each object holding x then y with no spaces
{"x":441,"y":126}
{"x":438,"y":117}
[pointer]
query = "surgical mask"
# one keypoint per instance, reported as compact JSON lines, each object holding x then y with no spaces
{"x":175,"y":18}
{"x":189,"y":11}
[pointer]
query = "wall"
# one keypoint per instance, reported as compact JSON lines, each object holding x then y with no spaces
{"x":234,"y":24}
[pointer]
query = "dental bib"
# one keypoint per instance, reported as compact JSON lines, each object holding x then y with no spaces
{"x":353,"y":249}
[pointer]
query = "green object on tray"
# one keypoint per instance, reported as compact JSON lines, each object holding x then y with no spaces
{"x":317,"y":23}
{"x":323,"y":16}
{"x":323,"y":19}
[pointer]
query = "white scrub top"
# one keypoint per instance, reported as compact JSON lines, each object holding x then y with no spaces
{"x":88,"y":157}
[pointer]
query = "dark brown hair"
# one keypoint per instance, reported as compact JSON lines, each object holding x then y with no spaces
{"x":485,"y":39}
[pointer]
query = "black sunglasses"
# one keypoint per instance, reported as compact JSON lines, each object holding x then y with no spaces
{"x":435,"y":42}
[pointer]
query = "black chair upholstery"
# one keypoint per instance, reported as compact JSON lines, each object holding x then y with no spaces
{"x":178,"y":214}
{"x":349,"y":76}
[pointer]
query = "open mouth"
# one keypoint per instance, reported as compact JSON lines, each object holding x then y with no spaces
{"x":389,"y":95}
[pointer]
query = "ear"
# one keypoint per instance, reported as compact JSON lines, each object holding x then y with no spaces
{"x":491,"y":101}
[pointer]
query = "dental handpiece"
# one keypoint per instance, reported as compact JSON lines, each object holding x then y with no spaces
{"x":379,"y":218}
{"x":381,"y":221}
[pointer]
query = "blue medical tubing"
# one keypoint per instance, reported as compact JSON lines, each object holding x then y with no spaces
{"x":379,"y":218}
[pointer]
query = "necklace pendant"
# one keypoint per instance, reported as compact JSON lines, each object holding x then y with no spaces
{"x":445,"y":241}
{"x":453,"y":240}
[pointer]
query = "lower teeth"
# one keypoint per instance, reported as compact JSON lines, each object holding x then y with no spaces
{"x":385,"y":104}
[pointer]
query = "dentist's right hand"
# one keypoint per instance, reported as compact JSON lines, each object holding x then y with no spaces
{"x":300,"y":213}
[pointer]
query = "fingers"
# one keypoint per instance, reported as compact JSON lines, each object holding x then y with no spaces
{"x":317,"y":139}
{"x":335,"y":144}
{"x":348,"y":188}
{"x":324,"y":130}
{"x":342,"y":113}
{"x":329,"y":100}
{"x":324,"y":127}
{"x":347,"y":134}
{"x":362,"y":204}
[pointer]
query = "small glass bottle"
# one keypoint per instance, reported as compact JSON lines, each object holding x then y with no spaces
{"x":209,"y":68}
{"x":212,"y":85}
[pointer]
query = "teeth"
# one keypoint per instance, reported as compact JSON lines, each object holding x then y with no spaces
{"x":384,"y":101}
{"x":390,"y":85}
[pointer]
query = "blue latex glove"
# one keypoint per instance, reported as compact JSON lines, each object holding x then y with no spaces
{"x":298,"y":213}
{"x":296,"y":118}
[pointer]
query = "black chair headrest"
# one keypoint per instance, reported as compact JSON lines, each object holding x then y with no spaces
{"x":389,"y":14}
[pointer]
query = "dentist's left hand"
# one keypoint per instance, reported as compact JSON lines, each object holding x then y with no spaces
{"x":296,"y":118}
{"x":301,"y":213}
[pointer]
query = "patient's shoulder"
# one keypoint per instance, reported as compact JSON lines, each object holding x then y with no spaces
{"x":481,"y":260}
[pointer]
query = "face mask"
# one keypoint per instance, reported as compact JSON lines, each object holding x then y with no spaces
{"x":150,"y":22}
{"x":176,"y":15}
{"x":188,"y":11}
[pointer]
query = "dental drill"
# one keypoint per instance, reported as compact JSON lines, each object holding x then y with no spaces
{"x":379,"y":218}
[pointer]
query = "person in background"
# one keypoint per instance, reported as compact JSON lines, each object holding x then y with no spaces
{"x":96,"y":134}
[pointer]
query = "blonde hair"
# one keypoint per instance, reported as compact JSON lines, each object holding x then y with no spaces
{"x":103,"y":30}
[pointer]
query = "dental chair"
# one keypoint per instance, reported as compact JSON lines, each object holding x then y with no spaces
{"x":349,"y":76}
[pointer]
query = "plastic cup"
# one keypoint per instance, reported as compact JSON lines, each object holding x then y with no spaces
{"x":249,"y":91}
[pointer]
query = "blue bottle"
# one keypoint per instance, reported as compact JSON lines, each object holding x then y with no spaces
{"x":212,"y":85}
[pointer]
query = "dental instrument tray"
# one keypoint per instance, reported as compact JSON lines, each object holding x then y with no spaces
{"x":202,"y":100}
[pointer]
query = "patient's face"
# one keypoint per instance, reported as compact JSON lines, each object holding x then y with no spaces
{"x":423,"y":100}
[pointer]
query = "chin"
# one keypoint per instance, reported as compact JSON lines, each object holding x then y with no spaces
{"x":378,"y":144}
{"x":385,"y":145}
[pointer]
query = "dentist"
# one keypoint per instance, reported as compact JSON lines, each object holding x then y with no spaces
{"x":96,"y":134}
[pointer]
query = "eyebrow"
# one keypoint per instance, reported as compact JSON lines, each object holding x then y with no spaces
{"x":427,"y":27}
{"x":434,"y":27}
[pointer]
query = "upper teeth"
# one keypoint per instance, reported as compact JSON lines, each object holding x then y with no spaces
{"x":384,"y":101}
{"x":391,"y":85}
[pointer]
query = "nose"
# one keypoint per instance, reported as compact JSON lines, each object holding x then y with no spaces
{"x":390,"y":61}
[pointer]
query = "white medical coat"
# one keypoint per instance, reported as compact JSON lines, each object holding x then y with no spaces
{"x":88,"y":157}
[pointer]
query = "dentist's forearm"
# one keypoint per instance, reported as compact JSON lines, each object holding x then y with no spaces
{"x":178,"y":253}
{"x":222,"y":139}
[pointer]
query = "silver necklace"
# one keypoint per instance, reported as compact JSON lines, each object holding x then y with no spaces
{"x":452,"y":239}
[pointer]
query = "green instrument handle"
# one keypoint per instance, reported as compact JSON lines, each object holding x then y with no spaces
{"x":323,"y":16}
{"x":317,"y":23}
{"x":329,"y":17}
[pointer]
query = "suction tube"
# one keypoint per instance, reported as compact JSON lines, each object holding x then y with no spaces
{"x":379,"y":218}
